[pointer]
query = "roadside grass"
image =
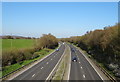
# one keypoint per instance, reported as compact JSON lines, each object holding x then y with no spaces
{"x":58,"y":75}
{"x":8,"y":44}
{"x":42,"y":53}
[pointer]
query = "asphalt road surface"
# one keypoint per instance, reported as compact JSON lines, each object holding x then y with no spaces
{"x":81,"y":70}
{"x":42,"y":70}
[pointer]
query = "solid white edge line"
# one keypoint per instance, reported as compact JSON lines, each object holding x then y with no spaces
{"x":33,"y":75}
{"x":81,"y":67}
{"x":32,"y":65}
{"x":92,"y":65}
{"x":69,"y":65}
{"x":83,"y":76}
{"x":55,"y":66}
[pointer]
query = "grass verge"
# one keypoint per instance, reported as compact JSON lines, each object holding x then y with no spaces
{"x":42,"y":53}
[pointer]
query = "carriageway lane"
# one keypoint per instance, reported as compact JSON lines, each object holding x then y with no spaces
{"x":41,"y":70}
{"x":82,"y":70}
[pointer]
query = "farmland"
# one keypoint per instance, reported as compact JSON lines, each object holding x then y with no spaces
{"x":19,"y":52}
{"x":8,"y":44}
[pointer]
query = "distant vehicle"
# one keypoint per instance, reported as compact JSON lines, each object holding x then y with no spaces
{"x":57,"y":50}
{"x":72,"y":50}
{"x":74,"y":59}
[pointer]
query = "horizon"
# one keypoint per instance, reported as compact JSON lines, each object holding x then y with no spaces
{"x":61,"y":19}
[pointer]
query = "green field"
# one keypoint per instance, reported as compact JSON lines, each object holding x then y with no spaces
{"x":17,"y":43}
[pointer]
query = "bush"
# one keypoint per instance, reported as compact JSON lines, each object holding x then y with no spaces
{"x":47,"y":41}
{"x":6,"y":59}
{"x":27,"y":55}
{"x":35,"y":55}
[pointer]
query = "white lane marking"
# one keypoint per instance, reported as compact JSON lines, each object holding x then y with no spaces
{"x":47,"y":62}
{"x":33,"y":75}
{"x":91,"y":65}
{"x":56,"y":65}
{"x":51,"y":59}
{"x":41,"y":67}
{"x":79,"y":62}
{"x":81,"y":67}
{"x":83,"y":76}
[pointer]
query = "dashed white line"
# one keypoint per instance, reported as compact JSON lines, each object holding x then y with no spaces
{"x":51,"y":59}
{"x":79,"y":62}
{"x":41,"y":67}
{"x":81,"y":67}
{"x":56,"y":65}
{"x":83,"y":76}
{"x":33,"y":75}
{"x":92,"y":65}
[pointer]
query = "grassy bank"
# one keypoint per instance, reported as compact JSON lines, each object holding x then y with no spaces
{"x":42,"y":53}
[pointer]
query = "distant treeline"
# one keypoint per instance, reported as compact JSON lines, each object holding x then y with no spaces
{"x":15,"y":37}
{"x":103,"y":45}
{"x":17,"y":55}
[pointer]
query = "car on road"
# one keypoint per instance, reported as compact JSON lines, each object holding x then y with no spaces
{"x":74,"y":59}
{"x":73,"y":50}
{"x":57,"y":50}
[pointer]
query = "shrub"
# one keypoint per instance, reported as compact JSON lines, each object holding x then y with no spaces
{"x":27,"y":55}
{"x":6,"y":58}
{"x":35,"y":55}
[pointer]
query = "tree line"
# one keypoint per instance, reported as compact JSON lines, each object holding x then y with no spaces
{"x":13,"y":56}
{"x":102,"y":44}
{"x":15,"y":37}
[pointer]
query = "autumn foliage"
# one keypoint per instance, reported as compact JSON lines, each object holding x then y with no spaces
{"x":103,"y":45}
{"x":47,"y":41}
